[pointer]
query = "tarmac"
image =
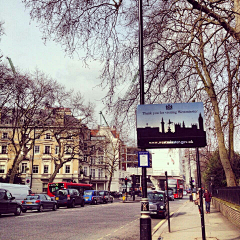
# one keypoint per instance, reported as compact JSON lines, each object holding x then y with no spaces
{"x":185,"y":224}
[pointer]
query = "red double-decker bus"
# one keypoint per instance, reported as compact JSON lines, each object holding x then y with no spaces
{"x":53,"y":187}
{"x":177,"y":186}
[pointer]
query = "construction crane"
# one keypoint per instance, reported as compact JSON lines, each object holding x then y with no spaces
{"x":12,"y":66}
{"x":101,"y":114}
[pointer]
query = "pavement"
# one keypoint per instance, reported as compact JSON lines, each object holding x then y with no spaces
{"x":185,"y":224}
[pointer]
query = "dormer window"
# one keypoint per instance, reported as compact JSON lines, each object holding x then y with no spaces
{"x":48,"y":136}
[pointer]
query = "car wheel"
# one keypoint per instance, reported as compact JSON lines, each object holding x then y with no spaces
{"x":83,"y":203}
{"x":54,"y":207}
{"x":40,"y":208}
{"x":18,"y":211}
{"x":24,"y":210}
{"x":73,"y":204}
{"x":95,"y":202}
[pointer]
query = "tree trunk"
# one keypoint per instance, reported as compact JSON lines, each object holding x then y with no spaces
{"x":230,"y":122}
{"x":52,"y":177}
{"x":15,"y":169}
{"x":230,"y":176}
{"x":110,"y":181}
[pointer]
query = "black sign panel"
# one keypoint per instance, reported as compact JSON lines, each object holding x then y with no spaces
{"x":176,"y":125}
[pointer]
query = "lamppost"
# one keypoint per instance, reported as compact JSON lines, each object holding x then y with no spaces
{"x":145,"y":220}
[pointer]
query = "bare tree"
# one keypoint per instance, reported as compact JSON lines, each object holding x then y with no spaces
{"x":24,"y":111}
{"x":70,"y":135}
{"x":191,"y":53}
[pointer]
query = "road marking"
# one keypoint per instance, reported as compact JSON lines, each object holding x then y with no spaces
{"x":29,"y":215}
{"x":160,"y":224}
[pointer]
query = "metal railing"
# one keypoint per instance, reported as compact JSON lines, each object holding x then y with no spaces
{"x":229,"y":194}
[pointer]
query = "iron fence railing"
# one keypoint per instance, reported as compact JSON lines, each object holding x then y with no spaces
{"x":229,"y":194}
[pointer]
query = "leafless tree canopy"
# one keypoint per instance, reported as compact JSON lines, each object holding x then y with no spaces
{"x":191,"y":53}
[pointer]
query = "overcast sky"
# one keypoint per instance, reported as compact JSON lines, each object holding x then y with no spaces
{"x":23,"y":44}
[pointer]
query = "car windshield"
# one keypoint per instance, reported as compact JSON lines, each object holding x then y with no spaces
{"x":155,"y":196}
{"x":101,"y":193}
{"x":32,"y":197}
{"x":87,"y":193}
{"x":61,"y":192}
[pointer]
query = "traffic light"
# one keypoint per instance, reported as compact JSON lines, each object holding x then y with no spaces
{"x":126,"y":180}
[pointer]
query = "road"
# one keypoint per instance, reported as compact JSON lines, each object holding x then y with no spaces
{"x":115,"y":221}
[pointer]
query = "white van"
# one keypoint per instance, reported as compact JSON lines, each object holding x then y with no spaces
{"x":17,"y":190}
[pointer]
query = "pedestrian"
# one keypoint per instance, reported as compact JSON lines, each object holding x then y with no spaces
{"x":197,"y":202}
{"x":207,"y":195}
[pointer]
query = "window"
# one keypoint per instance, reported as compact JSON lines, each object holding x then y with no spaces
{"x":48,"y":136}
{"x":68,"y":150}
{"x":67,"y":169}
{"x":93,"y":173}
{"x":44,"y":187}
{"x":24,"y":167}
{"x":100,"y":173}
{"x":2,"y":168}
{"x":85,"y":171}
{"x":5,"y":135}
{"x":57,"y":150}
{"x":100,"y":159}
{"x":4,"y":149}
{"x":93,"y":160}
{"x":36,"y":149}
{"x":35,"y":168}
{"x":47,"y":150}
{"x":45,"y":169}
{"x":85,"y":158}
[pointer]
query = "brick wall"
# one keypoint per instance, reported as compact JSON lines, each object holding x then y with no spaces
{"x":229,"y":210}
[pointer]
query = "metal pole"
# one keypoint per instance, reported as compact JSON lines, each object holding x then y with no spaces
{"x":200,"y":195}
{"x":34,"y":136}
{"x":169,"y":230}
{"x":145,"y":220}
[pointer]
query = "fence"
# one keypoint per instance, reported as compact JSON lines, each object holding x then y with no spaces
{"x":229,"y":194}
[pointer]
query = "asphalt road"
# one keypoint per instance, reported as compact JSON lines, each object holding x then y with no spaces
{"x":115,"y":221}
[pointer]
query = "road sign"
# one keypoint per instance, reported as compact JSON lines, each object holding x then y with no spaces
{"x":28,"y":181}
{"x":143,"y":159}
{"x":174,"y":125}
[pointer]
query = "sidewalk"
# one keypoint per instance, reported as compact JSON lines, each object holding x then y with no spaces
{"x":185,"y":224}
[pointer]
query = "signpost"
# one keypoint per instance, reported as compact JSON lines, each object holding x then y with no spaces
{"x":172,"y":125}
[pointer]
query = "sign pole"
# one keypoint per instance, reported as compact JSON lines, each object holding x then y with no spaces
{"x":169,"y":230}
{"x":200,"y":195}
{"x":145,"y":220}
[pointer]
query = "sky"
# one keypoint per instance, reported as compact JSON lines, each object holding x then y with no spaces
{"x":23,"y":43}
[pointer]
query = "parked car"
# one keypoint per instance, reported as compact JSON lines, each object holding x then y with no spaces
{"x":170,"y":195}
{"x":38,"y":202}
{"x":157,"y":203}
{"x":106,"y":196}
{"x":8,"y":204}
{"x":92,"y":197}
{"x":69,"y":198}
